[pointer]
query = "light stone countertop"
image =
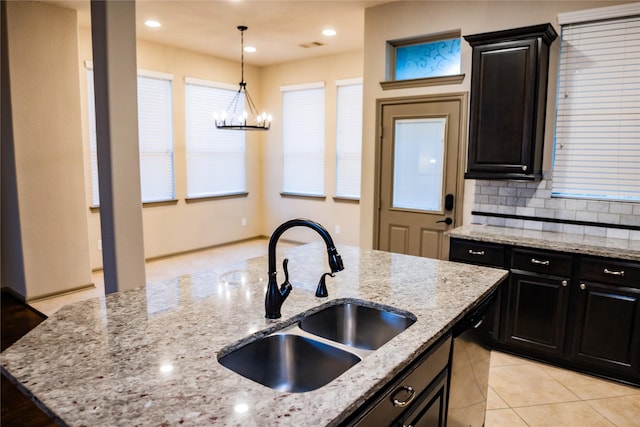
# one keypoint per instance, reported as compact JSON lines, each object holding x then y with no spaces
{"x":148,"y":356}
{"x":551,"y":240}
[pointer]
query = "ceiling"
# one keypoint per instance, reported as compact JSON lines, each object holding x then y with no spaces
{"x":277,"y":29}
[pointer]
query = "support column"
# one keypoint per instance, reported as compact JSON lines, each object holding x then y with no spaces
{"x":113,"y":30}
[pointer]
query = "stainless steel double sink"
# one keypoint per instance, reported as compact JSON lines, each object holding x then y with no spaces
{"x":318,"y":348}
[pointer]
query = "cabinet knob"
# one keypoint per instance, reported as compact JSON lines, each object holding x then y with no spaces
{"x":524,"y":167}
{"x":583,"y":286}
{"x":565,"y":283}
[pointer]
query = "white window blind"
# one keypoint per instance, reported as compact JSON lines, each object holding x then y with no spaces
{"x":216,"y":158}
{"x":597,"y":141}
{"x":303,"y":139}
{"x":348,"y":138}
{"x":155,"y":137}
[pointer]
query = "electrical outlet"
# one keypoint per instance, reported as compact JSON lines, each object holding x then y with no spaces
{"x":337,"y":229}
{"x":100,"y":245}
{"x":244,"y":221}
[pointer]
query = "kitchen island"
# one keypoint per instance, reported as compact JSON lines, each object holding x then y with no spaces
{"x":148,"y":356}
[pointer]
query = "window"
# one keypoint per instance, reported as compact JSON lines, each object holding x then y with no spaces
{"x":303,"y":139}
{"x":155,"y":136}
{"x":348,"y":138}
{"x":215,"y":158}
{"x":426,"y":57}
{"x":597,"y":148}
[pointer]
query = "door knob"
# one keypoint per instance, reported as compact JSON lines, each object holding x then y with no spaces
{"x":447,"y":221}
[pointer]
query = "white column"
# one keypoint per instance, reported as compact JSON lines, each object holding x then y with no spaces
{"x":113,"y":30}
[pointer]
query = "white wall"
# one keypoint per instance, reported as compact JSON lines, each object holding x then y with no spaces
{"x":48,"y":146}
{"x":409,"y":19}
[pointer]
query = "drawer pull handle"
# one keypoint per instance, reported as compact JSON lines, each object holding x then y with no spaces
{"x":403,"y":403}
{"x":614,"y":273}
{"x":541,"y":262}
{"x":472,"y":252}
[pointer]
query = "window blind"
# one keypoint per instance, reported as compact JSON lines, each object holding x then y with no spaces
{"x":155,"y":137}
{"x":348,"y":139}
{"x":597,"y":140}
{"x":216,"y":158}
{"x":303,"y":139}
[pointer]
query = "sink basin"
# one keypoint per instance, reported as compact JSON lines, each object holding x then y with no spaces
{"x":289,"y":362}
{"x":356,"y":325}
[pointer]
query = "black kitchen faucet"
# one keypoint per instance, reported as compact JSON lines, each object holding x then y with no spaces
{"x":275,"y":295}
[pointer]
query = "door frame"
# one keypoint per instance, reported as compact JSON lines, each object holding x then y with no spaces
{"x":462,"y":99}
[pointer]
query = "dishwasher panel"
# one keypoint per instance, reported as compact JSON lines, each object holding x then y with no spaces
{"x":470,"y":360}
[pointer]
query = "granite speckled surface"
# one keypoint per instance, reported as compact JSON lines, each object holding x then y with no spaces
{"x":148,"y":356}
{"x":563,"y":242}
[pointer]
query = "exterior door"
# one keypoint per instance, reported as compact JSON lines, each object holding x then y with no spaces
{"x":420,"y":159}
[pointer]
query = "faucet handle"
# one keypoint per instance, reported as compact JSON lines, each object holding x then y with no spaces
{"x":285,"y":287}
{"x":321,"y":291}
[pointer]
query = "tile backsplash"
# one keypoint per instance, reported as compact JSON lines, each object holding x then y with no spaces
{"x":533,"y":199}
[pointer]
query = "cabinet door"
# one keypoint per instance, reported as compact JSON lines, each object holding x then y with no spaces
{"x":607,"y":333}
{"x":537,"y":313}
{"x":508,"y":102}
{"x":501,"y":107}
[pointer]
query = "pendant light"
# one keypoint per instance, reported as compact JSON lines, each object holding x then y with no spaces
{"x":236,"y":117}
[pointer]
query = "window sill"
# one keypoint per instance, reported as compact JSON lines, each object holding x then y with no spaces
{"x":343,"y":199}
{"x":429,"y":81}
{"x":303,"y":196}
{"x":218,"y":197}
{"x":170,"y":202}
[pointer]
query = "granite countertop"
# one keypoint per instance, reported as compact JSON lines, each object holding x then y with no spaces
{"x":551,"y":240}
{"x":148,"y":356}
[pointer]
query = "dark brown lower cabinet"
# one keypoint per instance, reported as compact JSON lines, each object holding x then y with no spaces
{"x":607,"y":319}
{"x":537,"y":313}
{"x":577,"y":311}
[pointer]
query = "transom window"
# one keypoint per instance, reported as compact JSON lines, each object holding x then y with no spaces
{"x":425,"y":57}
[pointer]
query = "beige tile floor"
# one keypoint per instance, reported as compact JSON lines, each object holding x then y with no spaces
{"x":521,"y":392}
{"x":527,"y":393}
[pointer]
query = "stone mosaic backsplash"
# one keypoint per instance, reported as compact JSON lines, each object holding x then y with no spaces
{"x":533,"y":199}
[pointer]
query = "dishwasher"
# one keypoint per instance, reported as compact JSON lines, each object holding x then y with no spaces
{"x":470,"y":358}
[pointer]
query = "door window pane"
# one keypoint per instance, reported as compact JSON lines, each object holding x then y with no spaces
{"x":418,"y":163}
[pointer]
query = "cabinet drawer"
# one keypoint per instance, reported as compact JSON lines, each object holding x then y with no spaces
{"x":541,"y":262}
{"x":480,"y":253}
{"x":604,"y":270}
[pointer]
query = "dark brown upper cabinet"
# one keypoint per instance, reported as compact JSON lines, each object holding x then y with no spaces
{"x":508,"y":102}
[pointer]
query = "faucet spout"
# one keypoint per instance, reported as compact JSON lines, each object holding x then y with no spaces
{"x":275,"y":295}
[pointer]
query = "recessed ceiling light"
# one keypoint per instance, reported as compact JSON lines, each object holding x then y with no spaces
{"x":250,"y":49}
{"x":152,"y":24}
{"x":328,"y":32}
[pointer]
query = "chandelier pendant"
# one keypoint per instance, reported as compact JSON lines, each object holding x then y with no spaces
{"x":236,"y":117}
